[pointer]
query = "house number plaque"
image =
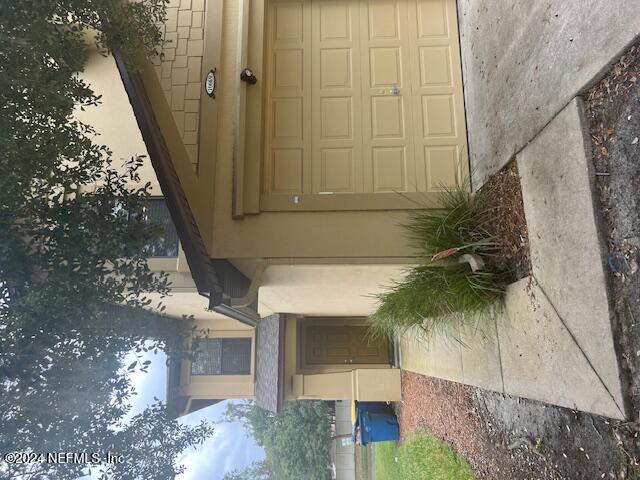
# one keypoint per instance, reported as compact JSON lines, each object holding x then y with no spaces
{"x":210,"y":83}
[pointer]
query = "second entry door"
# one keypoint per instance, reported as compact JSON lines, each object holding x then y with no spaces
{"x":337,"y":345}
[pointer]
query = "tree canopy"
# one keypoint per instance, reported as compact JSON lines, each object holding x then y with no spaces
{"x":72,"y":247}
{"x":295,"y":441}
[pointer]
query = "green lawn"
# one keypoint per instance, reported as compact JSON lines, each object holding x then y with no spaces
{"x":420,"y":458}
{"x":386,"y":454}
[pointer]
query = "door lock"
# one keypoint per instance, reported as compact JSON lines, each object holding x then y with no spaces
{"x":394,"y":90}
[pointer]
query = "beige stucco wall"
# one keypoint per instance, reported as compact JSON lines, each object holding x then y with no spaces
{"x":325,"y":290}
{"x":367,"y":385}
{"x":113,"y":118}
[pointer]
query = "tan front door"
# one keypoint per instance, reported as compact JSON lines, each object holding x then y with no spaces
{"x":344,"y":344}
{"x":363,"y":97}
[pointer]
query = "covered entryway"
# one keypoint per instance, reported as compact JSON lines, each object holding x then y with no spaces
{"x":362,"y":97}
{"x":333,"y":358}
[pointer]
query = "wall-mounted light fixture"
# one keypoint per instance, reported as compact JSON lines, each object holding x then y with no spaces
{"x":246,"y":75}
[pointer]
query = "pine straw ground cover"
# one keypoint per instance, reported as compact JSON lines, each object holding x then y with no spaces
{"x":614,"y":113}
{"x":501,"y":200}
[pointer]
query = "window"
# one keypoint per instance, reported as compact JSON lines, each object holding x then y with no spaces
{"x":167,"y":244}
{"x":221,"y":356}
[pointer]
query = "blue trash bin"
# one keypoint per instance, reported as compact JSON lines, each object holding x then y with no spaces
{"x":378,"y":427}
{"x":373,"y":407}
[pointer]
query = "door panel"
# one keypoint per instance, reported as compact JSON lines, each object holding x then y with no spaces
{"x":388,"y":135}
{"x":335,"y":109}
{"x":364,"y":96}
{"x":343,"y":344}
{"x":287,"y":109}
{"x":438,"y":104}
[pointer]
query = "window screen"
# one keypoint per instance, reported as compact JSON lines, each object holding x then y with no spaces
{"x":158,"y":214}
{"x":221,"y":356}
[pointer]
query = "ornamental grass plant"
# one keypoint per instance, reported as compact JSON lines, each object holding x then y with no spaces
{"x":444,"y":289}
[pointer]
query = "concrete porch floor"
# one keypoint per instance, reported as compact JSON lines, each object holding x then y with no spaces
{"x":553,"y":340}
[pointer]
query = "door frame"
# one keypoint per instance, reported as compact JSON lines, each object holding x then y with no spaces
{"x":248,"y":159}
{"x":304,"y":322}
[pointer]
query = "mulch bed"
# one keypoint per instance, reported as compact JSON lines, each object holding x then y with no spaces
{"x":614,"y":114}
{"x":447,"y":411}
{"x":500,"y":201}
{"x":508,"y":438}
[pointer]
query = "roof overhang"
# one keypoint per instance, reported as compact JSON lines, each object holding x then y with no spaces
{"x":206,"y":275}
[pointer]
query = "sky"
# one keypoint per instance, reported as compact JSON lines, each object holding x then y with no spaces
{"x":229,"y":448}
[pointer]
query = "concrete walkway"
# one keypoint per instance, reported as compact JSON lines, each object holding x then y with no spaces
{"x":553,"y":341}
{"x":523,"y":61}
{"x":525,"y":350}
